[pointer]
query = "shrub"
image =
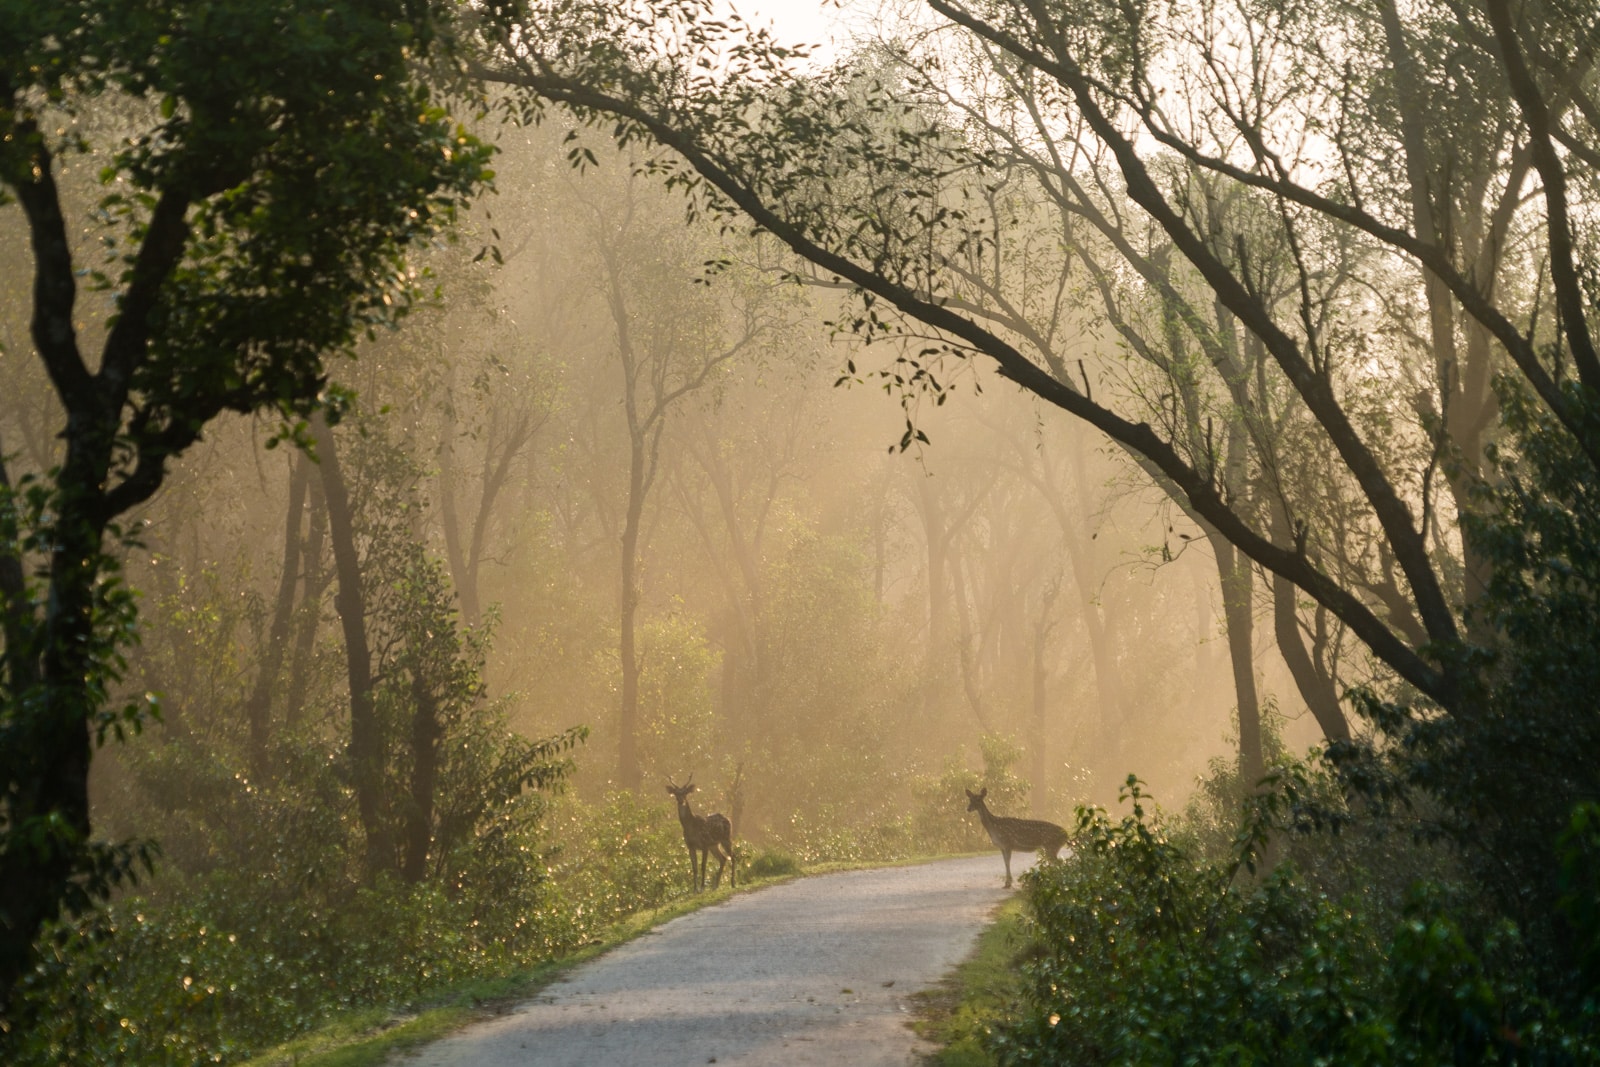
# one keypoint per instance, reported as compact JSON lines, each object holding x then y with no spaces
{"x":1145,"y":952}
{"x":845,"y":833}
{"x":941,"y":822}
{"x":614,"y":858}
{"x":771,"y":863}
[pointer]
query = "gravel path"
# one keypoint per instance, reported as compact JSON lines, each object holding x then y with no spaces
{"x":815,"y":971}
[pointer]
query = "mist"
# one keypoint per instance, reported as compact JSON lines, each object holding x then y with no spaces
{"x":835,"y":618}
{"x":399,"y":503}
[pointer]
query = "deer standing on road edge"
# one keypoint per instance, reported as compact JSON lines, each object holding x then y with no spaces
{"x":1016,"y":835}
{"x":704,"y":834}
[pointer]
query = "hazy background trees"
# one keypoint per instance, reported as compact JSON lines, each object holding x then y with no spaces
{"x":1323,"y":276}
{"x":836,"y":616}
{"x":635,"y":494}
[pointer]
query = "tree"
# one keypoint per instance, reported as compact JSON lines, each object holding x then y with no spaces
{"x":669,"y":341}
{"x":274,"y":164}
{"x":258,"y":710}
{"x":738,"y":484}
{"x":867,"y":174}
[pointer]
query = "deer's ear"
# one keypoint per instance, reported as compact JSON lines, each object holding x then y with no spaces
{"x":983,"y":792}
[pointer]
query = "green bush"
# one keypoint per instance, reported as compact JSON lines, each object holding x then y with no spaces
{"x":847,"y":834}
{"x":770,"y":863}
{"x":229,"y":962}
{"x":1147,"y":953}
{"x":614,"y":858}
{"x":230,"y":967}
{"x":941,"y":822}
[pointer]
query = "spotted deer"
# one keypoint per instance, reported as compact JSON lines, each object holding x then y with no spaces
{"x":1016,"y":835}
{"x":704,"y":834}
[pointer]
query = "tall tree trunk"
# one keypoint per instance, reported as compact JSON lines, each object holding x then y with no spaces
{"x":314,"y":585}
{"x":258,"y":708}
{"x":1098,"y":620}
{"x":934,"y":536}
{"x":365,"y":748}
{"x":425,"y":731}
{"x":49,"y":677}
{"x":466,"y":581}
{"x":1042,"y":625}
{"x":1316,"y":688}
{"x":1464,"y":384}
{"x":629,"y":774}
{"x":745,"y":660}
{"x":965,"y":637}
{"x":1237,"y":594}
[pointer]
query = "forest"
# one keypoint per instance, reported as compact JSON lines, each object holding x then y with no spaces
{"x":430,"y":428}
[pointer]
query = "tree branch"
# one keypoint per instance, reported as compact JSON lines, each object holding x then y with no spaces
{"x":1012,"y":364}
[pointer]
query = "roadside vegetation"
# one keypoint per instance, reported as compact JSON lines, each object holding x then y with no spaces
{"x":1425,"y":894}
{"x":1357,"y":906}
{"x":960,"y":1013}
{"x":224,"y":962}
{"x":416,"y":446}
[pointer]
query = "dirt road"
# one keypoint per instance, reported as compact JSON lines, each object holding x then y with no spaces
{"x":817,"y":971}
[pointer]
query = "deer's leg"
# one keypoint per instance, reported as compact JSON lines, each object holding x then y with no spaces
{"x":692,"y":872}
{"x":722,"y":863}
{"x":1006,"y":852}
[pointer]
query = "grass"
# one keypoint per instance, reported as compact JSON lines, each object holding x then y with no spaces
{"x":370,"y":1037}
{"x":957,"y":1013}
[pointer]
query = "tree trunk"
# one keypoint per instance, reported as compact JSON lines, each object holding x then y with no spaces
{"x":466,"y":581}
{"x":1237,"y":593}
{"x":1042,"y":625}
{"x":51,"y":682}
{"x":365,"y":748}
{"x":315,"y":584}
{"x":937,"y":543}
{"x":1316,"y":688}
{"x":629,"y":774}
{"x":425,"y":731}
{"x":970,"y":682}
{"x":258,"y":708}
{"x":1098,"y":620}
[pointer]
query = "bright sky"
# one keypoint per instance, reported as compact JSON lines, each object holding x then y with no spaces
{"x":794,"y":20}
{"x":814,"y":22}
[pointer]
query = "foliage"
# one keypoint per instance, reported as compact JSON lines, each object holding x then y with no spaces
{"x":266,"y":907}
{"x":840,"y":833}
{"x":1149,"y":954}
{"x":960,"y":1012}
{"x":233,"y":966}
{"x":816,"y":729}
{"x":613,"y":858}
{"x":941,"y":820}
{"x":1431,"y":891}
{"x":451,"y":773}
{"x":769,"y":863}
{"x":243,"y":955}
{"x":1503,"y":777}
{"x":272,"y":167}
{"x":677,"y":731}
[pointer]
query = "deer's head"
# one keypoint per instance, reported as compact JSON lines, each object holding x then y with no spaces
{"x":680,"y":793}
{"x":975,"y":800}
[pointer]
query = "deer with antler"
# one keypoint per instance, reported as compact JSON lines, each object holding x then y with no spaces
{"x":704,"y":835}
{"x":1016,"y":835}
